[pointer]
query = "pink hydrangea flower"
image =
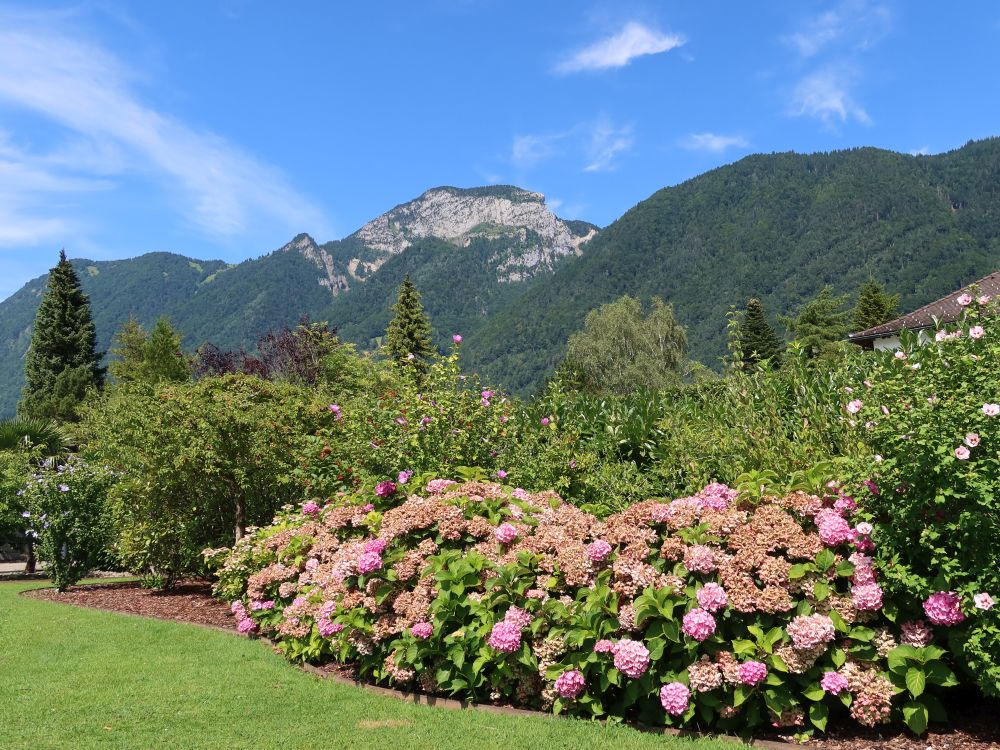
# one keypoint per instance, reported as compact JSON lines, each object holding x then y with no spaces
{"x":506,"y":533}
{"x":845,"y":505}
{"x":752,"y":672}
{"x":712,"y":597}
{"x":717,"y":496}
{"x":964,"y":300}
{"x":698,"y":624}
{"x":376,"y":545}
{"x":833,"y":528}
{"x":570,"y":684}
{"x":369,"y":562}
{"x":367,"y":507}
{"x":971,"y":440}
{"x":962,"y":453}
{"x":675,"y":697}
{"x":983,"y":601}
{"x":518,"y":617}
{"x":501,"y":474}
{"x":699,"y":558}
{"x":422,"y":630}
{"x":386,"y":488}
{"x":246,"y":626}
{"x":436,"y":486}
{"x":604,"y":647}
{"x":809,"y":631}
{"x":631,"y":658}
{"x":521,"y":494}
{"x":258,"y":606}
{"x":944,"y":608}
{"x":991,"y":410}
{"x":867,"y":597}
{"x":853,"y":407}
{"x":505,"y":637}
{"x":327,"y":628}
{"x":238,"y":609}
{"x":834,"y":683}
{"x":598,"y":550}
{"x":977,"y":332}
{"x":404,"y":477}
{"x":310,"y":508}
{"x":916,"y":633}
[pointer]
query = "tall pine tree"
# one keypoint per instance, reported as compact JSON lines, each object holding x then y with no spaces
{"x":821,"y":324}
{"x":62,"y":363}
{"x":409,"y":331}
{"x":757,"y":339}
{"x":875,"y":306}
{"x":163,"y":358}
{"x":128,"y":351}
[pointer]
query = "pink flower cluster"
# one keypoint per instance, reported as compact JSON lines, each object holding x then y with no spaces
{"x":809,"y":631}
{"x":506,"y":533}
{"x":518,"y":618}
{"x":717,"y":496}
{"x":505,"y":637}
{"x":422,"y":630}
{"x":834,"y":683}
{"x":631,"y":658}
{"x":867,"y":597}
{"x":244,"y":625}
{"x":369,"y":562}
{"x":752,"y":672}
{"x":675,"y":697}
{"x":699,"y":558}
{"x":329,"y":628}
{"x":916,"y":633}
{"x":385,"y":489}
{"x":437,"y":486}
{"x":570,"y":684}
{"x":604,"y":647}
{"x":944,"y":608}
{"x":712,"y":597}
{"x":310,"y":508}
{"x":698,"y":624}
{"x":598,"y":551}
{"x":833,"y":528}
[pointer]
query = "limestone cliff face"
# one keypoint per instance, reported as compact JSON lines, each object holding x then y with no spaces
{"x":528,"y":237}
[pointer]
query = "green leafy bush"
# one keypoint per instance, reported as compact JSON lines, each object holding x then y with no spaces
{"x":706,"y":611}
{"x":67,"y":511}
{"x":932,"y":482}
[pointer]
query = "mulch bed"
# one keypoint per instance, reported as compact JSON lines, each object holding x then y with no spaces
{"x":975,"y":721}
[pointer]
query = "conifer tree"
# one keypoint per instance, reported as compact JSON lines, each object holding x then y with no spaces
{"x":875,"y":306}
{"x":162,"y":357}
{"x":757,"y":339}
{"x":129,"y":351}
{"x":62,"y":363}
{"x":821,"y":324}
{"x":409,"y":331}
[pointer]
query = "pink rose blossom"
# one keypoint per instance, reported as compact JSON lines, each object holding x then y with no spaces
{"x":631,"y":658}
{"x":422,"y":630}
{"x":570,"y":684}
{"x":944,"y":608}
{"x":977,"y":332}
{"x":598,"y":550}
{"x":369,"y":562}
{"x":834,"y":683}
{"x":964,"y":300}
{"x":698,"y":624}
{"x":505,"y":637}
{"x":675,"y":697}
{"x":853,"y":407}
{"x":752,"y":672}
{"x":712,"y":597}
{"x":506,"y":533}
{"x":962,"y":453}
{"x":983,"y":601}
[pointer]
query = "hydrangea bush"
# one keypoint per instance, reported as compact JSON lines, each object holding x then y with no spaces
{"x":707,"y":610}
{"x":931,"y":416}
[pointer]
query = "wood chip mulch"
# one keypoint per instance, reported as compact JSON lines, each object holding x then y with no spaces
{"x":975,"y":722}
{"x":188,"y":601}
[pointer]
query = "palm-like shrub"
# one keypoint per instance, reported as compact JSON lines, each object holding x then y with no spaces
{"x":28,"y":432}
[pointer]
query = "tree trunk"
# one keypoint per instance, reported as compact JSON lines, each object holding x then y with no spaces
{"x":241,"y":521}
{"x":29,"y":567}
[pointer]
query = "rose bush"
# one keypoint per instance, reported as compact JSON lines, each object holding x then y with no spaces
{"x":930,"y":415}
{"x":708,"y":610}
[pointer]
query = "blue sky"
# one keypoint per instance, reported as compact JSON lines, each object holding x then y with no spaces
{"x":221,"y":129}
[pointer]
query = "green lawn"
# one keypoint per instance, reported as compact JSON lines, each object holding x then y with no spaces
{"x":78,"y":678}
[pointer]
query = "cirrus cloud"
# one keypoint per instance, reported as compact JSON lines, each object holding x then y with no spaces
{"x":618,"y":50}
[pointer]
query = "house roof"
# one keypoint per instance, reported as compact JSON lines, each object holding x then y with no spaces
{"x":944,"y":310}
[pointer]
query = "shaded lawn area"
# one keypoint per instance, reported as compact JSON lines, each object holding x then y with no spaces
{"x":79,"y":678}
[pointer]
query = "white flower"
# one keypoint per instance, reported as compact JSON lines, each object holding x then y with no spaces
{"x":983,"y":601}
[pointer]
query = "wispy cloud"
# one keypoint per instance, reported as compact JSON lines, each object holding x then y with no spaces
{"x":109,"y":132}
{"x":853,"y":23}
{"x":598,"y":143}
{"x":605,"y":142}
{"x":616,"y":51}
{"x":714,"y":143}
{"x":826,"y":95}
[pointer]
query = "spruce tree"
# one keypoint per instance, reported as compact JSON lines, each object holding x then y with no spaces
{"x":62,"y":363}
{"x":757,"y":339}
{"x":875,"y":306}
{"x":821,"y":324}
{"x":162,"y":356}
{"x":409,"y":331}
{"x":129,"y":351}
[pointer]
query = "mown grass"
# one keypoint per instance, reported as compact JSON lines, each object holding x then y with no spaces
{"x":79,"y":678}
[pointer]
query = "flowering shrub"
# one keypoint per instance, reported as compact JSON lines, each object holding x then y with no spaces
{"x":576,"y":614}
{"x":66,"y":511}
{"x":931,"y":486}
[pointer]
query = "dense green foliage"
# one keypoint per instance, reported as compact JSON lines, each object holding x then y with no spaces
{"x":408,"y":336}
{"x":622,"y":348}
{"x":875,"y":306}
{"x":821,"y":324}
{"x":62,"y":363}
{"x":931,"y":416}
{"x":757,"y":340}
